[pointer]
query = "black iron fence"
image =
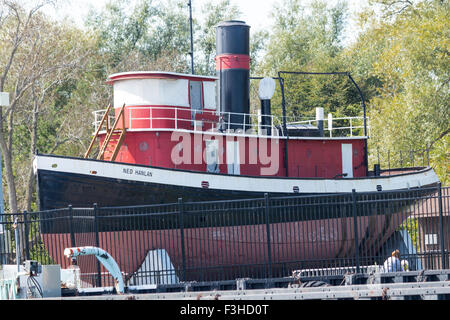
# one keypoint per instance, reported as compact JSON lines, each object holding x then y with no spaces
{"x":224,"y":240}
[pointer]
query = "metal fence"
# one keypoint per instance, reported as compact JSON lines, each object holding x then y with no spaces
{"x":224,"y":240}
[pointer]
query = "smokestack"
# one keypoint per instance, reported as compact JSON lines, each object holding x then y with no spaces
{"x":233,"y":70}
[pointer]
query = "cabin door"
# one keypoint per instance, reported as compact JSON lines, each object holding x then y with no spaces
{"x":233,"y":164}
{"x":212,"y":155}
{"x":347,"y":160}
{"x":196,"y":97}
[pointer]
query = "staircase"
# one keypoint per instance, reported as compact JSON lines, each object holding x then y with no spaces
{"x":114,"y":136}
{"x":112,"y":148}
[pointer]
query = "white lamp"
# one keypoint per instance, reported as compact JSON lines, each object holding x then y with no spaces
{"x":266,"y":88}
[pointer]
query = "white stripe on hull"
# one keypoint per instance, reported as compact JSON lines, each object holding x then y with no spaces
{"x":232,"y":182}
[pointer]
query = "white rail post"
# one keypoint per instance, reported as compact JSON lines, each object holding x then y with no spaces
{"x":351,"y":128}
{"x":330,"y":124}
{"x":271,"y":123}
{"x":176,"y":118}
{"x":129,"y":118}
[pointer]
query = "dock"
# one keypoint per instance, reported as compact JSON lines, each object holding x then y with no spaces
{"x":412,"y":285}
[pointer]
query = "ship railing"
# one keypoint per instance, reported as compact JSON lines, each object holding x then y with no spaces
{"x":98,"y":116}
{"x":349,"y":124}
{"x":139,"y":118}
{"x":181,"y":118}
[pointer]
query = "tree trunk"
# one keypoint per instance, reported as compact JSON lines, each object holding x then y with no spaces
{"x":8,"y":170}
{"x":31,"y":180}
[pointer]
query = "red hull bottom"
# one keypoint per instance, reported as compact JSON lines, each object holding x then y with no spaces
{"x":230,"y":250}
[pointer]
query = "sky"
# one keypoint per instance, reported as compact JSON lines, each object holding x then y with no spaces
{"x":256,"y":13}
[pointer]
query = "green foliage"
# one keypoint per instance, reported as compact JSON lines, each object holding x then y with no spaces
{"x":119,"y":32}
{"x":310,"y":39}
{"x":212,"y":14}
{"x":405,"y":54}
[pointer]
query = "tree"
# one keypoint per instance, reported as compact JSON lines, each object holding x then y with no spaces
{"x":142,"y":34}
{"x":14,"y":34}
{"x":33,"y":69}
{"x":406,"y":54}
{"x":309,"y":39}
{"x":213,"y":13}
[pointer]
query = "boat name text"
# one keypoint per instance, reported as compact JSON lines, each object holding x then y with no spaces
{"x":138,"y":172}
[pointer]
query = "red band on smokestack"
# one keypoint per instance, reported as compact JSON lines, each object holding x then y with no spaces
{"x":232,"y":61}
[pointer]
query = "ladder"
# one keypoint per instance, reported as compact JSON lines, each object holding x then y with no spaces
{"x":114,"y":136}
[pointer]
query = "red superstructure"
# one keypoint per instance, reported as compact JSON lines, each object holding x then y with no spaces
{"x":170,"y":118}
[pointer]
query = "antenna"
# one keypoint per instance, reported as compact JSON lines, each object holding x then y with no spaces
{"x":192,"y":39}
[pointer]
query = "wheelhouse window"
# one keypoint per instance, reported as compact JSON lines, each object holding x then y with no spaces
{"x":196,"y":97}
{"x":158,"y":92}
{"x":209,"y":91}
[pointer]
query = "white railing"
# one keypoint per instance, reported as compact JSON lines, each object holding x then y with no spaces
{"x":181,"y":118}
{"x":352,"y":123}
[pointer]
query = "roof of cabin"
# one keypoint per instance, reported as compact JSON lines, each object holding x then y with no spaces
{"x":156,"y":75}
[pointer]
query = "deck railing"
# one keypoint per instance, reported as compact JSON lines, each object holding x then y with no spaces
{"x":223,"y":240}
{"x":152,"y":118}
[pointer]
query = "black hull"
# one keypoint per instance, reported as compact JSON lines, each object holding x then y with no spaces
{"x":60,"y":189}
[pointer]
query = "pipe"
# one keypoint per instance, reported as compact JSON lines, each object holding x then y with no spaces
{"x":106,"y":260}
{"x":363,"y":104}
{"x":319,"y":119}
{"x":266,"y":120}
{"x":285,"y":131}
{"x":265,"y":93}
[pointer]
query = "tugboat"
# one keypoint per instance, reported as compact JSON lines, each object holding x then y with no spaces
{"x":169,"y":135}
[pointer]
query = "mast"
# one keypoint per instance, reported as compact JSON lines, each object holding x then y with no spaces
{"x":192,"y":39}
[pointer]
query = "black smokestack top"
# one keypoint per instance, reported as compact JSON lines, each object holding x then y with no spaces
{"x":233,"y":70}
{"x":233,"y":37}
